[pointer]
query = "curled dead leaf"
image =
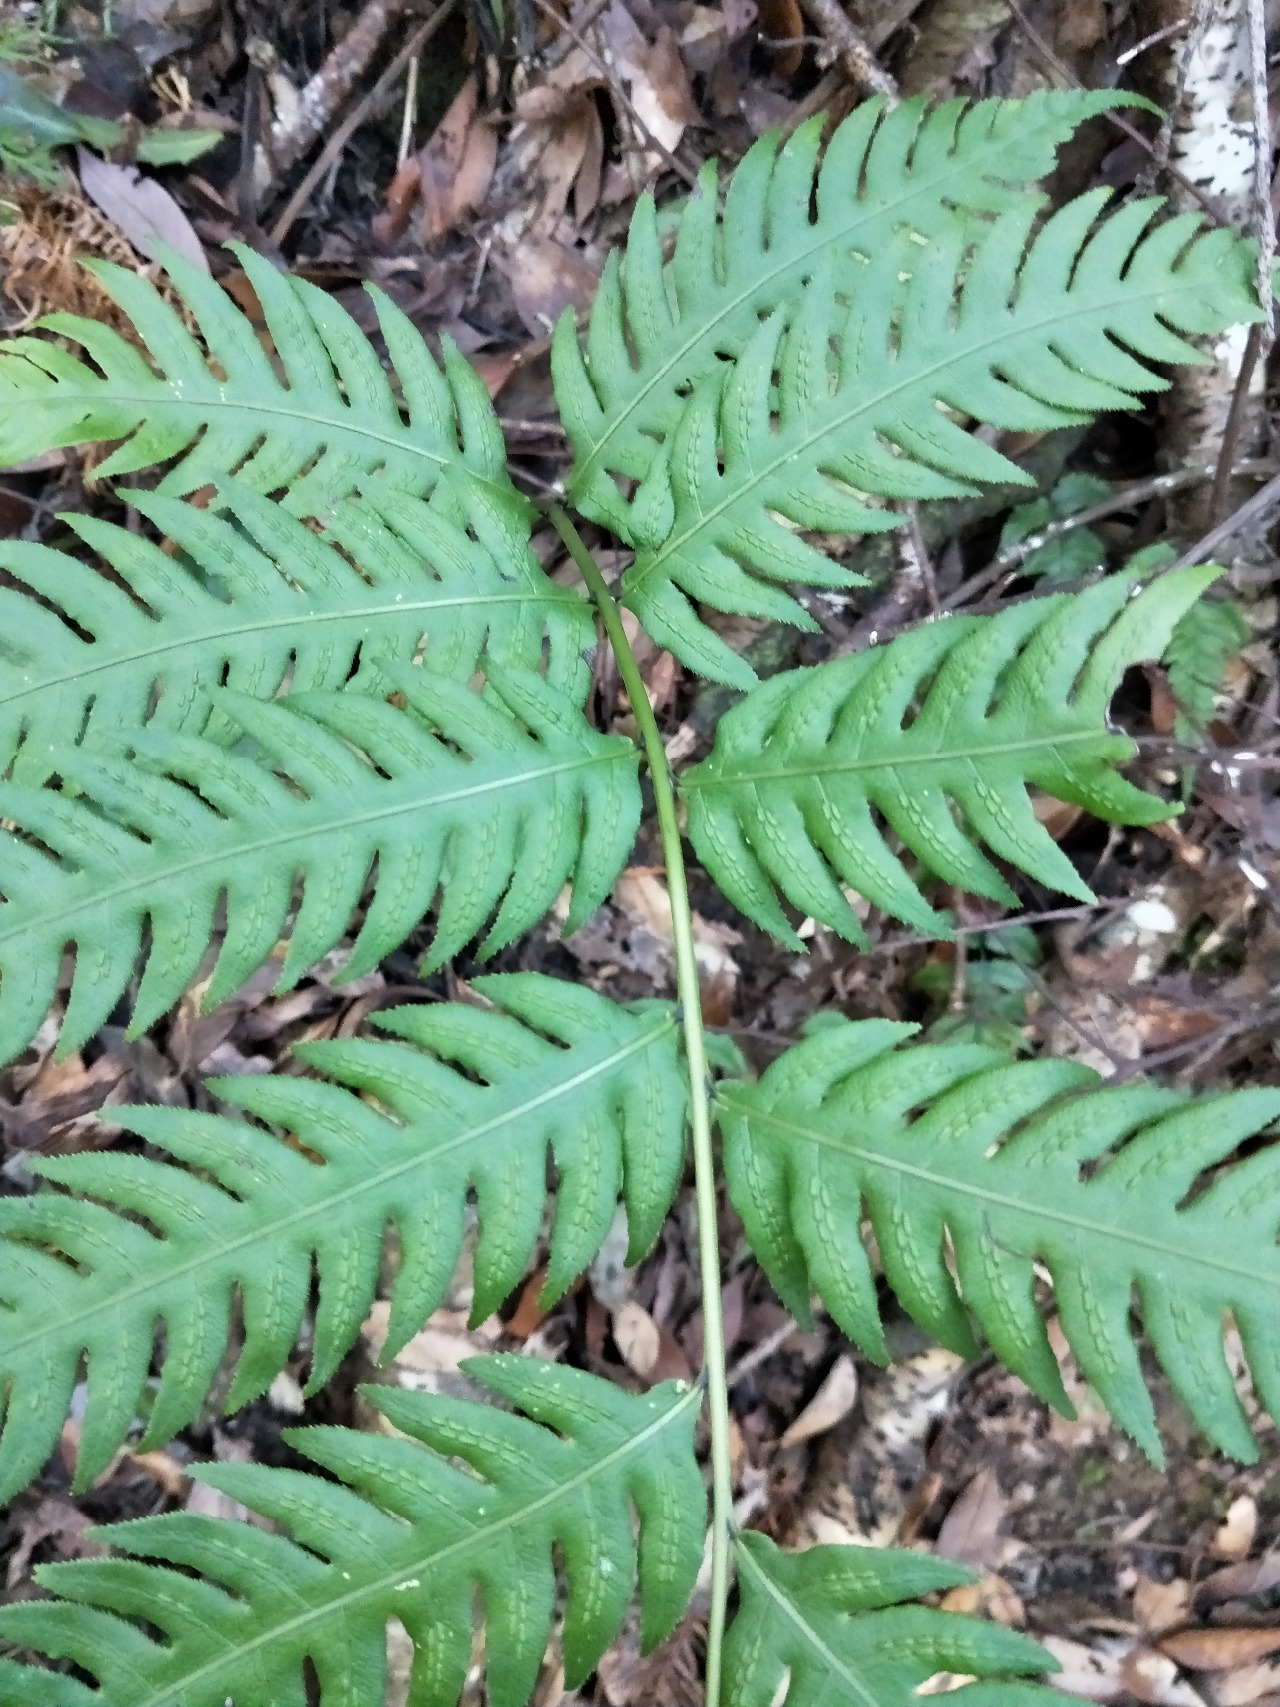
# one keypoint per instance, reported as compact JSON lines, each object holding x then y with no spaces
{"x":831,"y":1404}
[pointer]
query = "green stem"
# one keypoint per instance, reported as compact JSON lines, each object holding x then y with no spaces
{"x":699,"y":1088}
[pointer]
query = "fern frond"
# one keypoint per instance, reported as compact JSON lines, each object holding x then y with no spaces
{"x":1006,"y":1169}
{"x":409,"y":1536}
{"x":827,"y":1628}
{"x":983,"y":322}
{"x":966,"y":712}
{"x":478,"y":1102}
{"x":325,"y":423}
{"x":1200,"y":648}
{"x":656,"y":329}
{"x":495,"y":801}
{"x":255,"y":604}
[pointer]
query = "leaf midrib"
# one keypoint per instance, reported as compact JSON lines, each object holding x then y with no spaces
{"x":962,"y":168}
{"x":320,"y":424}
{"x":953,"y":1186}
{"x":262,"y":1231}
{"x":220,"y":856}
{"x":299,"y":621}
{"x":843,"y":767}
{"x":675,"y":544}
{"x":482,"y":1539}
{"x":794,"y":1616}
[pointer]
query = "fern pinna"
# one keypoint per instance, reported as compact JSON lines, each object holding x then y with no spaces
{"x":346,"y":689}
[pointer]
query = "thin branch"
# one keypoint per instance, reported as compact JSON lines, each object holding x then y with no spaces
{"x":367,"y":104}
{"x":1263,"y":503}
{"x":857,"y":60}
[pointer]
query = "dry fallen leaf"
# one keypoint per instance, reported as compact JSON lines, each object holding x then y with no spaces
{"x":1161,"y":1606}
{"x":1249,"y":1684}
{"x":1084,"y":1671}
{"x":636,"y":1334}
{"x":990,"y":1597}
{"x":456,"y":164}
{"x":831,"y":1404}
{"x":1234,"y":1537}
{"x":1219,"y":1650}
{"x":142,"y":208}
{"x":1153,"y":1678}
{"x":546,"y":278}
{"x":969,"y":1530}
{"x":398,"y":198}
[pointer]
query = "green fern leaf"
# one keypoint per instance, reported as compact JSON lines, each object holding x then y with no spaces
{"x":997,"y":1166}
{"x":983,"y":322}
{"x":826,"y":1628}
{"x":657,"y":329}
{"x":478,"y":1102}
{"x":1201,"y":646}
{"x":258,"y":603}
{"x":410,"y":1536}
{"x":495,"y":801}
{"x":784,"y":802}
{"x":325,"y":425}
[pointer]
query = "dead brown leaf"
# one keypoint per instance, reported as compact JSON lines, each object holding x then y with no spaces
{"x":1083,"y":1671}
{"x":831,"y":1404}
{"x":51,"y":1520}
{"x":970,"y":1529}
{"x":141,"y":207}
{"x":546,"y":278}
{"x":1237,"y":1582}
{"x":1219,"y":1650}
{"x":1161,"y":1606}
{"x":1234,"y":1537}
{"x":990,"y":1597}
{"x":456,"y":164}
{"x":782,"y":23}
{"x":1153,"y":1678}
{"x":398,"y":199}
{"x":1249,"y":1684}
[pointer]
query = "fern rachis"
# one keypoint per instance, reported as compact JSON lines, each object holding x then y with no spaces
{"x":349,"y":688}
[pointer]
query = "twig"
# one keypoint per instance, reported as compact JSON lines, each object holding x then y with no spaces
{"x":356,"y":117}
{"x":410,"y":112}
{"x":751,"y":1360}
{"x":1157,"y":486}
{"x":1263,"y":502}
{"x":1117,"y":120}
{"x":571,"y":33}
{"x":322,"y":96}
{"x":1131,"y":53}
{"x":857,"y":61}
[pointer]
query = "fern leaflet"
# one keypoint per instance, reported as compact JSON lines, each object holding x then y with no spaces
{"x":826,"y":1628}
{"x":555,"y":1069}
{"x":784,"y":802}
{"x":993,"y":1165}
{"x":411,"y":1537}
{"x":984,"y":322}
{"x":325,"y":425}
{"x":657,"y":329}
{"x":495,"y":801}
{"x":258,"y":603}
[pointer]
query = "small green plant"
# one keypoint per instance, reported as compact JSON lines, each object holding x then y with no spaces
{"x":348,"y":685}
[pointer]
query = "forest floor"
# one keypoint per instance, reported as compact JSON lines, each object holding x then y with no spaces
{"x":481,"y":181}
